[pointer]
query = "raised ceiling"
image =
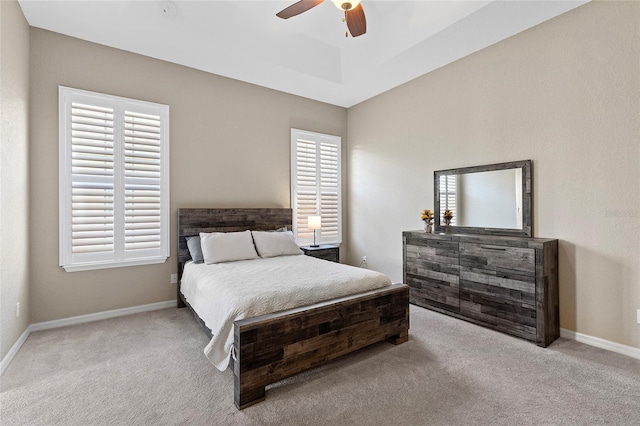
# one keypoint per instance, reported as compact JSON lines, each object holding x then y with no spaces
{"x":307,"y":55}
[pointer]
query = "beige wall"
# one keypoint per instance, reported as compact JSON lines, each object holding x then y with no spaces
{"x":229,"y":147}
{"x":565,"y":94}
{"x":14,"y":173}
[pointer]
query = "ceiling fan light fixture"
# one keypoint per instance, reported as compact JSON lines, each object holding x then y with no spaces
{"x":352,"y":10}
{"x":346,"y":5}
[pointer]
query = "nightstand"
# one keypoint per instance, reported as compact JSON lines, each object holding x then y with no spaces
{"x":323,"y":251}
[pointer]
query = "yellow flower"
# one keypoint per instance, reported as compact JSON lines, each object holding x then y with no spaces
{"x":426,"y":215}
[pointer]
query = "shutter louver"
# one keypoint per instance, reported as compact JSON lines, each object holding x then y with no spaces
{"x":92,"y":179}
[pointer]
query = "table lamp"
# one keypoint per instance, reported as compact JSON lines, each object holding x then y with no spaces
{"x":314,"y":222}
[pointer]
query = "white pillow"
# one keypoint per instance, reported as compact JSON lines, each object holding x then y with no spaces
{"x":271,"y":244}
{"x":227,"y":246}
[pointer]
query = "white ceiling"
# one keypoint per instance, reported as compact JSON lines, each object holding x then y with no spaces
{"x":307,"y":55}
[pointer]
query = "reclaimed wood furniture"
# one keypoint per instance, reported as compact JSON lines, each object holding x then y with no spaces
{"x":509,"y":284}
{"x":323,"y":251}
{"x":272,"y":347}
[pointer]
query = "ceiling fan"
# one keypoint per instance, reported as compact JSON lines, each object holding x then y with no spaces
{"x":353,"y":13}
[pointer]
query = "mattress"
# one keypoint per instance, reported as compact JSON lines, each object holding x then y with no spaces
{"x":225,"y":292}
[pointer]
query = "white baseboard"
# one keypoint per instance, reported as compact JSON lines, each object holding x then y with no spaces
{"x":14,"y":350}
{"x":80,"y":319}
{"x":601,"y":343}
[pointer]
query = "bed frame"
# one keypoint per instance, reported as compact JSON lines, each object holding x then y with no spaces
{"x":271,"y":347}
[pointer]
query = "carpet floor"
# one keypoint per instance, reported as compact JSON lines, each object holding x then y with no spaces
{"x":149,"y":369}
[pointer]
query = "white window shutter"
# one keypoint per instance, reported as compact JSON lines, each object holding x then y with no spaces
{"x":306,"y":182}
{"x":114,"y":181}
{"x":449,"y":196}
{"x":142,"y":184}
{"x":92,"y":177}
{"x":329,"y":191}
{"x":316,"y":185}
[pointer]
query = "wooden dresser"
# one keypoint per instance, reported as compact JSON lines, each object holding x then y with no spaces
{"x":509,"y":284}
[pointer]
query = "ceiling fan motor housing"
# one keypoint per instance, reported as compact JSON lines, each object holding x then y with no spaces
{"x":346,"y":5}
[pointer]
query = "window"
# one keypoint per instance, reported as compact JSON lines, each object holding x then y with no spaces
{"x":316,"y":185}
{"x":114,"y":181}
{"x":449,"y":196}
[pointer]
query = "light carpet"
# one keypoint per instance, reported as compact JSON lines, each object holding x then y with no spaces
{"x":149,"y":369}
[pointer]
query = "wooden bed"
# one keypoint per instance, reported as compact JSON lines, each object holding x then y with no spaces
{"x":272,"y":347}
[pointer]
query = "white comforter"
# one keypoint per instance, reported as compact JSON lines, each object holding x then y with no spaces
{"x":225,"y":292}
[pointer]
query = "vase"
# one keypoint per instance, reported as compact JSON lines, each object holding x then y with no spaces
{"x":447,"y":222}
{"x":428,"y":228}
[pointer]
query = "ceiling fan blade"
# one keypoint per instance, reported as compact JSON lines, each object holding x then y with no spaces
{"x":298,"y":8}
{"x":356,"y":21}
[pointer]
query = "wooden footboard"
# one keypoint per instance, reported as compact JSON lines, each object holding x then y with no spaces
{"x":272,"y":347}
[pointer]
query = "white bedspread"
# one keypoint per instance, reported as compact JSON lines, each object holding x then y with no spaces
{"x":224,"y":292}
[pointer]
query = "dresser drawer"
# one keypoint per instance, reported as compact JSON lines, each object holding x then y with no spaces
{"x":430,"y":292}
{"x":511,"y":268}
{"x":497,"y":286}
{"x":432,"y":273}
{"x":507,"y":310}
{"x":436,"y":249}
{"x":435,"y":253}
{"x":496,"y":259}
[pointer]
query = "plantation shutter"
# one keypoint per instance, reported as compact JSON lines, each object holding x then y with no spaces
{"x":448,"y":196}
{"x":306,"y":194}
{"x":316,"y":185}
{"x":142,"y":184}
{"x":329,"y":191}
{"x":92,"y":176}
{"x":113,"y":181}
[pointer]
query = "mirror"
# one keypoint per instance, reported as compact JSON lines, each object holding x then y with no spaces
{"x":491,"y":199}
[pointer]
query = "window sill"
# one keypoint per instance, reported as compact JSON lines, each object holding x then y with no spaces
{"x":109,"y":265}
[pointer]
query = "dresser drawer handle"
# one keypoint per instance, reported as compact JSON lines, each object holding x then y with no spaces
{"x":494,"y":248}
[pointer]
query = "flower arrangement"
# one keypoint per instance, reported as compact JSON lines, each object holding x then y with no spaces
{"x":447,"y":216}
{"x":427,"y":216}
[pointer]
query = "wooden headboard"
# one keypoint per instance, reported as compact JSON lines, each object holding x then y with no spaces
{"x":193,"y":221}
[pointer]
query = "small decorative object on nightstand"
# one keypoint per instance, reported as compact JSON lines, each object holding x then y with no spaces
{"x":323,"y":251}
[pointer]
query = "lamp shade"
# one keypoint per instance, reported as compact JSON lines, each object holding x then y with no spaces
{"x":314,"y":222}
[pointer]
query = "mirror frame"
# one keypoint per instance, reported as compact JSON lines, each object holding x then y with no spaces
{"x":527,"y":200}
